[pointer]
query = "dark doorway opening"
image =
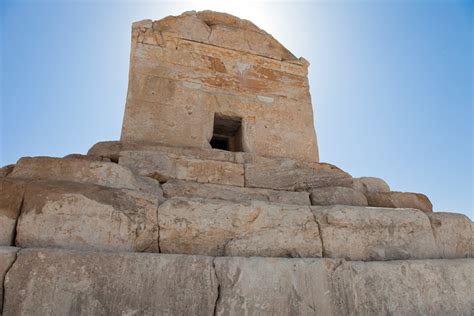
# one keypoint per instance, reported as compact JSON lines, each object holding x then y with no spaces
{"x":227,"y":133}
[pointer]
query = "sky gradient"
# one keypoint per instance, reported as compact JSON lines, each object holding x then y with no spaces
{"x":391,"y":82}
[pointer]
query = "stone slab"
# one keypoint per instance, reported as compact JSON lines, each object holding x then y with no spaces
{"x":222,"y":228}
{"x":453,"y":234}
{"x":87,"y":217}
{"x":370,"y":184}
{"x":367,"y":233}
{"x":11,"y":199}
{"x":399,"y":200}
{"x":337,"y":195}
{"x":181,"y":188}
{"x":7,"y":257}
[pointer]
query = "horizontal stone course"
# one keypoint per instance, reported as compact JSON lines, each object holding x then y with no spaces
{"x":399,"y":200}
{"x":337,"y":195}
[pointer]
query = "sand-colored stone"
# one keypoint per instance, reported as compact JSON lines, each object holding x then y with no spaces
{"x":5,"y":170}
{"x":337,"y":195}
{"x":188,"y":69}
{"x":165,"y":166}
{"x":181,"y":188}
{"x":453,"y":234}
{"x":368,"y":233}
{"x":7,"y":257}
{"x":286,"y":174}
{"x":400,"y":200}
{"x":87,"y":217}
{"x":222,"y":228}
{"x":11,"y":198}
{"x":370,"y":184}
{"x":59,"y":282}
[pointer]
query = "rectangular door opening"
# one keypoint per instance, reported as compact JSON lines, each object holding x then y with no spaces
{"x":227,"y":133}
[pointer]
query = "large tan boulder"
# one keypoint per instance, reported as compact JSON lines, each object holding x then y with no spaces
{"x":11,"y":198}
{"x":337,"y":195}
{"x":59,"y":282}
{"x":370,"y":184}
{"x":231,"y":193}
{"x":79,"y":216}
{"x":399,"y":200}
{"x":164,"y":166}
{"x":366,"y":233}
{"x":222,"y":228}
{"x":286,"y":174}
{"x":453,"y":234}
{"x":7,"y":257}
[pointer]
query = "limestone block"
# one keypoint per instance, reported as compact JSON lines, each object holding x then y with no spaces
{"x":60,"y":282}
{"x":222,"y":228}
{"x":5,"y":170}
{"x":181,"y":188}
{"x":88,"y":217}
{"x":337,"y":195}
{"x":77,"y":170}
{"x":370,"y":184}
{"x":11,"y":198}
{"x":286,"y":174}
{"x":412,"y":287}
{"x":367,"y":233}
{"x":7,"y":257}
{"x":164,"y":166}
{"x":275,"y":286}
{"x":453,"y":234}
{"x":400,"y":200}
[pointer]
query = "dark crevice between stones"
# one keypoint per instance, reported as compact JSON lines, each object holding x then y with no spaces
{"x":218,"y":298}
{"x":20,"y":211}
{"x":3,"y":282}
{"x":323,"y":250}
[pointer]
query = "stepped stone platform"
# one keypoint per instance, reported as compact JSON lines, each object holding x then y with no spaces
{"x":214,"y":201}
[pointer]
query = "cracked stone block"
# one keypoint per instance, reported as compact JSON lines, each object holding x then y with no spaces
{"x":64,"y":282}
{"x":87,"y":217}
{"x":11,"y":197}
{"x":7,"y":257}
{"x":222,"y":228}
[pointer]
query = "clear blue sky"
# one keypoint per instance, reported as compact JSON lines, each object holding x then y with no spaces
{"x":392,"y":82}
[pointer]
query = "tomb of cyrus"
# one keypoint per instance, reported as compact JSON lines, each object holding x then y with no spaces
{"x":214,"y":201}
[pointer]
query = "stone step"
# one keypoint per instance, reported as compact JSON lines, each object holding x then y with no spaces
{"x":64,"y":282}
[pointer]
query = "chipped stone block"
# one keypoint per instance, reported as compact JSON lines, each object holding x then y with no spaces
{"x":222,"y":228}
{"x":337,"y":195}
{"x":370,"y":184}
{"x":11,"y":198}
{"x":181,"y":188}
{"x":367,"y":233}
{"x":286,"y":174}
{"x":453,"y":234}
{"x":400,"y":200}
{"x":87,"y":217}
{"x":164,"y":166}
{"x":7,"y":257}
{"x":60,"y":282}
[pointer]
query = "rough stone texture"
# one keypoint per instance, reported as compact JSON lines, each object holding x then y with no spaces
{"x":11,"y":198}
{"x":453,"y":234}
{"x":337,"y":195}
{"x":275,"y":286}
{"x":78,"y":216}
{"x":79,"y":170}
{"x":231,"y":193}
{"x":187,"y":69}
{"x":413,"y":287}
{"x":164,"y":166}
{"x":7,"y":257}
{"x":286,"y":174}
{"x":255,"y":228}
{"x":399,"y":200}
{"x":5,"y":170}
{"x":52,"y":282}
{"x":370,"y":184}
{"x":366,"y":233}
{"x":88,"y":157}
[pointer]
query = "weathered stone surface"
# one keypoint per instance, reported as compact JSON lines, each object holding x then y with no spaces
{"x":164,"y":166}
{"x":11,"y":198}
{"x":5,"y":170}
{"x":86,"y":216}
{"x":76,"y":170}
{"x":187,"y":69}
{"x":370,"y":184}
{"x":366,"y":233}
{"x":52,"y":282}
{"x":453,"y":234}
{"x":286,"y":174}
{"x":231,"y":193}
{"x":88,"y":157}
{"x":337,"y":195}
{"x":399,"y":200}
{"x":412,"y":287}
{"x":255,"y":228}
{"x":276,"y":286}
{"x":7,"y":257}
